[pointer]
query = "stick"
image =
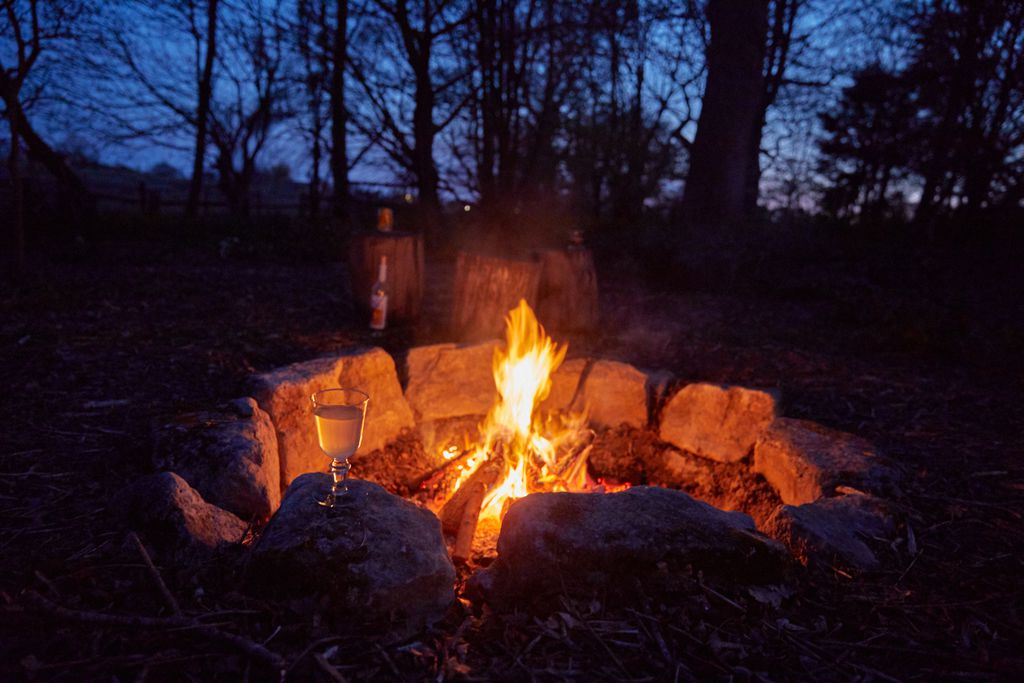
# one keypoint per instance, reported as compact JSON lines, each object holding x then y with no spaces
{"x":424,"y":480}
{"x":452,"y":512}
{"x":155,"y":573}
{"x":241,"y":643}
{"x":467,"y":527}
{"x":328,"y":668}
{"x":312,"y":646}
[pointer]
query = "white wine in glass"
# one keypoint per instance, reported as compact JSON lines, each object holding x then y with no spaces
{"x":339,"y":415}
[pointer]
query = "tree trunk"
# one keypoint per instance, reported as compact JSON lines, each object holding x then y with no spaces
{"x":719,"y":163}
{"x":14,"y":167}
{"x":82,"y":205}
{"x":314,"y":180}
{"x":423,"y":151}
{"x":339,"y":119}
{"x":752,"y":183}
{"x":195,"y":186}
{"x":484,"y":10}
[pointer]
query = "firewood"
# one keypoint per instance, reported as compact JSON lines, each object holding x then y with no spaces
{"x":467,"y":526}
{"x":452,"y":512}
{"x":486,"y":289}
{"x":433,"y":477}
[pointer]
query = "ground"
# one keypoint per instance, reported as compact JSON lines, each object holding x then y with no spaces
{"x":921,"y":354}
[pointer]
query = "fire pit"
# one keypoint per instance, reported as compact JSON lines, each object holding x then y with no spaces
{"x":506,"y":443}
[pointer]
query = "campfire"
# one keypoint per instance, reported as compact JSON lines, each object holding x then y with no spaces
{"x":491,"y":454}
{"x":521,"y":449}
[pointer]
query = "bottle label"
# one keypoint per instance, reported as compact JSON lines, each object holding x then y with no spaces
{"x":378,"y":311}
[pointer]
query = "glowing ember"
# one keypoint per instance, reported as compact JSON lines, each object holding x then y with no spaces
{"x":536,"y":452}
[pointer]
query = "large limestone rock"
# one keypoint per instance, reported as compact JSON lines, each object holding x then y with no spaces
{"x":230,"y":456}
{"x":615,"y":393}
{"x":380,"y":560}
{"x":172,"y":516}
{"x":805,"y":461}
{"x":832,"y":531}
{"x":285,"y":394}
{"x":565,"y":382}
{"x":450,"y":380}
{"x":720,"y":423}
{"x":387,"y":413}
{"x":555,"y":542}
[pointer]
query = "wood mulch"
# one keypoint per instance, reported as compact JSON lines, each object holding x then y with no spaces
{"x":927,"y":363}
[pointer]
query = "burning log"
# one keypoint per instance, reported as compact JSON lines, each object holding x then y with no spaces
{"x":486,"y":288}
{"x":435,"y":478}
{"x":467,"y":525}
{"x":455,"y":510}
{"x":567,"y":294}
{"x":404,"y":251}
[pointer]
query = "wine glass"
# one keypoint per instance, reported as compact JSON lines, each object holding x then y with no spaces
{"x":339,"y":427}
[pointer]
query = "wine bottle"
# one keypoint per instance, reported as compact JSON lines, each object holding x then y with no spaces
{"x":379,"y":297}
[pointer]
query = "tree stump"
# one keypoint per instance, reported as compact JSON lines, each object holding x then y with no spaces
{"x":486,"y":289}
{"x":567,"y":295}
{"x":404,"y":251}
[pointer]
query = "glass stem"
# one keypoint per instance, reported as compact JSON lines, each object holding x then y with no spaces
{"x":339,"y":471}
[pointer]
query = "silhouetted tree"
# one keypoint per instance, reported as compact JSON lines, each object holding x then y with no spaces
{"x":407,"y":79}
{"x":637,"y":89}
{"x":151,"y":75}
{"x":950,"y":123}
{"x":241,"y":119}
{"x":321,"y":28}
{"x":312,"y":33}
{"x":31,"y":29}
{"x":339,"y":115}
{"x":969,"y":71}
{"x":715,"y":192}
{"x":866,"y":151}
{"x":527,"y":57}
{"x":202,"y":36}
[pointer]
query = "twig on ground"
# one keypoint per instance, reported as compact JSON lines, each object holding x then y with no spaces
{"x":241,"y":643}
{"x":328,"y":668}
{"x":309,"y":648}
{"x":387,"y":660}
{"x":155,"y":573}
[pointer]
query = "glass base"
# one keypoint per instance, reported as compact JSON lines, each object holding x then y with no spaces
{"x":338,"y":495}
{"x":342,"y":499}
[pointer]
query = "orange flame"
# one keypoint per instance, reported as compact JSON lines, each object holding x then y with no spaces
{"x":541,"y":453}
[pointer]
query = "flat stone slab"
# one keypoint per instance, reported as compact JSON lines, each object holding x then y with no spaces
{"x":230,"y":456}
{"x":556,"y":542}
{"x":174,"y":517}
{"x":717,"y":422}
{"x":805,"y":461}
{"x":451,"y":380}
{"x":285,"y":394}
{"x":380,"y":560}
{"x":615,"y":393}
{"x":832,"y":531}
